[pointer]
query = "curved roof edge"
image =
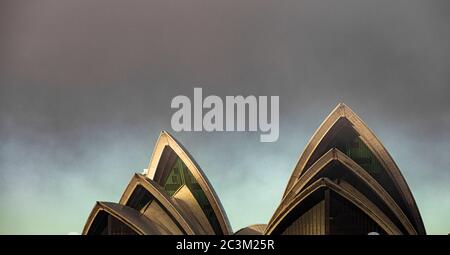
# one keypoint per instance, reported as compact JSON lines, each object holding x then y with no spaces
{"x":372,"y":142}
{"x":165,"y":139}
{"x":346,"y":191}
{"x":177,"y":213}
{"x":184,"y":198}
{"x":336,"y":155}
{"x":255,"y":229}
{"x":130,"y":217}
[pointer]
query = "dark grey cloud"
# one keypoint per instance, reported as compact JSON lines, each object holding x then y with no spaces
{"x":85,"y":87}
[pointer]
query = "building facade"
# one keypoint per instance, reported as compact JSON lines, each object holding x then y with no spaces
{"x":345,"y":182}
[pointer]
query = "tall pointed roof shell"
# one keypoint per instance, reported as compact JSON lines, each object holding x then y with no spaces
{"x":164,"y":154}
{"x":343,"y":112}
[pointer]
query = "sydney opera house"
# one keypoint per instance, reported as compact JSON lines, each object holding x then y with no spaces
{"x":345,"y":182}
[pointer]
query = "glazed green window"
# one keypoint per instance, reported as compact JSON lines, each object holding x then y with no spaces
{"x":179,"y":176}
{"x":349,"y":142}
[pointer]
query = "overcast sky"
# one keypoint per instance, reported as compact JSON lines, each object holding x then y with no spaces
{"x":85,"y":88}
